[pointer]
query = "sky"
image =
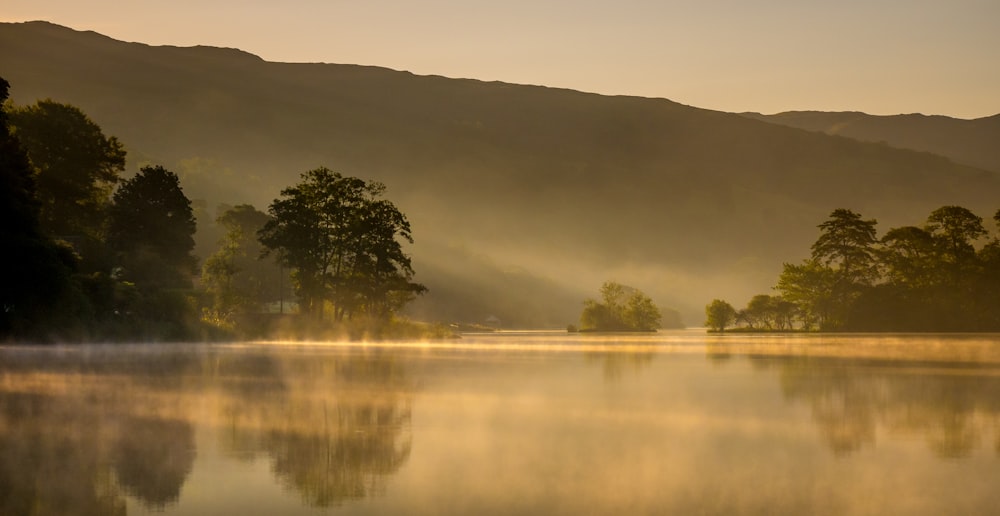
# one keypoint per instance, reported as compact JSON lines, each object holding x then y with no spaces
{"x":877,"y":56}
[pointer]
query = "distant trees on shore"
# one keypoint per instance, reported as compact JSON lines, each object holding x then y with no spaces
{"x":931,"y":277}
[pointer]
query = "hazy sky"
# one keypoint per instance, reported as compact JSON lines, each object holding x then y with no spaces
{"x":878,"y":56}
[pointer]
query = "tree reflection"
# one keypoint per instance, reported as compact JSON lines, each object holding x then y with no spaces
{"x":616,"y":364}
{"x":71,"y":443}
{"x":953,"y":407}
{"x":152,"y":458}
{"x":335,"y":432}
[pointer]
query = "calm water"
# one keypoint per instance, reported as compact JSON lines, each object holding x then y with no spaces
{"x":677,"y":423}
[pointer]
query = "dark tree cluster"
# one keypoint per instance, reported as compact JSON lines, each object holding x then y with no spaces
{"x":90,"y":255}
{"x":84,"y":261}
{"x":941,"y":276}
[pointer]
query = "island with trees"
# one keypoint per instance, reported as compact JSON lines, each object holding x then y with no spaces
{"x":943,"y":275}
{"x":621,"y":309}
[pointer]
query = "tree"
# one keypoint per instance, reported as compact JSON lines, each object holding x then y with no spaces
{"x":152,"y":228}
{"x":76,"y":166}
{"x":236,"y":275}
{"x":955,"y":228}
{"x":623,"y":309}
{"x":343,"y":243}
{"x":641,"y":313}
{"x":719,"y":315}
{"x":848,"y":241}
{"x":908,"y":257}
{"x":37,"y":271}
{"x":810,"y":286}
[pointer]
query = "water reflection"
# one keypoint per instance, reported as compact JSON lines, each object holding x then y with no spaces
{"x":82,"y":430}
{"x":666,"y":424}
{"x":615,"y":365}
{"x":335,"y":431}
{"x":948,"y":396}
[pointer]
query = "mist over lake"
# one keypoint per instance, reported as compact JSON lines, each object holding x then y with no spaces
{"x":527,"y":423}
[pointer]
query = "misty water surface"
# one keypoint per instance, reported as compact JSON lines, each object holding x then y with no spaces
{"x":535,"y":423}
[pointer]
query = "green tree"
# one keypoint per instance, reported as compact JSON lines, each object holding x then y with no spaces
{"x":719,"y":315}
{"x":76,"y":166}
{"x":343,"y":243}
{"x":236,"y":275}
{"x":810,"y":286}
{"x":152,"y":228}
{"x":623,"y":308}
{"x":641,"y":313}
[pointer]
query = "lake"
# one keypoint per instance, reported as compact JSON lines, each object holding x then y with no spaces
{"x":507,"y":423}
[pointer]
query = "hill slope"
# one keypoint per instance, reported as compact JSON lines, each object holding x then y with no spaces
{"x":971,"y":142}
{"x":556,"y":189}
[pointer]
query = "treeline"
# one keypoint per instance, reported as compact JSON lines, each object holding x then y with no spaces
{"x":92,"y":256}
{"x":943,"y":275}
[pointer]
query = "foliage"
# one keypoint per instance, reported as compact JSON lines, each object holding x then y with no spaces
{"x":929,"y":278}
{"x":343,"y":243}
{"x":76,"y":166}
{"x":37,"y":282}
{"x":623,"y":308}
{"x":719,"y":315}
{"x":152,"y":230}
{"x":236,"y":276}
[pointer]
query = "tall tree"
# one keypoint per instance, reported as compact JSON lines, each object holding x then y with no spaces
{"x":76,"y":166}
{"x":152,"y":228}
{"x":36,"y":272}
{"x":956,"y":229}
{"x":344,"y":243}
{"x":848,"y":241}
{"x":719,"y":315}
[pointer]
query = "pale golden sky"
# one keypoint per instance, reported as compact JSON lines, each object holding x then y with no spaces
{"x":877,"y":56}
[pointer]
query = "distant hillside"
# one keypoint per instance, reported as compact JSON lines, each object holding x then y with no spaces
{"x":556,"y":190}
{"x":970,"y":142}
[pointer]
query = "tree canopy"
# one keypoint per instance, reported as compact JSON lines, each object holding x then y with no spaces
{"x":76,"y":166}
{"x":929,"y":278}
{"x":36,"y":270}
{"x":344,"y":243}
{"x":152,"y":228}
{"x":236,"y":275}
{"x":622,"y":308}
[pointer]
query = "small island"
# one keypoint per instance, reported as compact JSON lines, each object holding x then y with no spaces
{"x":622,"y":309}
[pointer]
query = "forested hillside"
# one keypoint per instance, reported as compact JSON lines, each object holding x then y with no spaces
{"x":515,"y":193}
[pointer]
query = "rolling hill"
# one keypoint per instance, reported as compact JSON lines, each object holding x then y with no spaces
{"x":970,"y":142}
{"x":523,"y":199}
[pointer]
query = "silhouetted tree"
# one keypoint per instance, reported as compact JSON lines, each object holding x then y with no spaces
{"x":36,"y":271}
{"x":152,"y":229}
{"x":76,"y":166}
{"x":343,"y":243}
